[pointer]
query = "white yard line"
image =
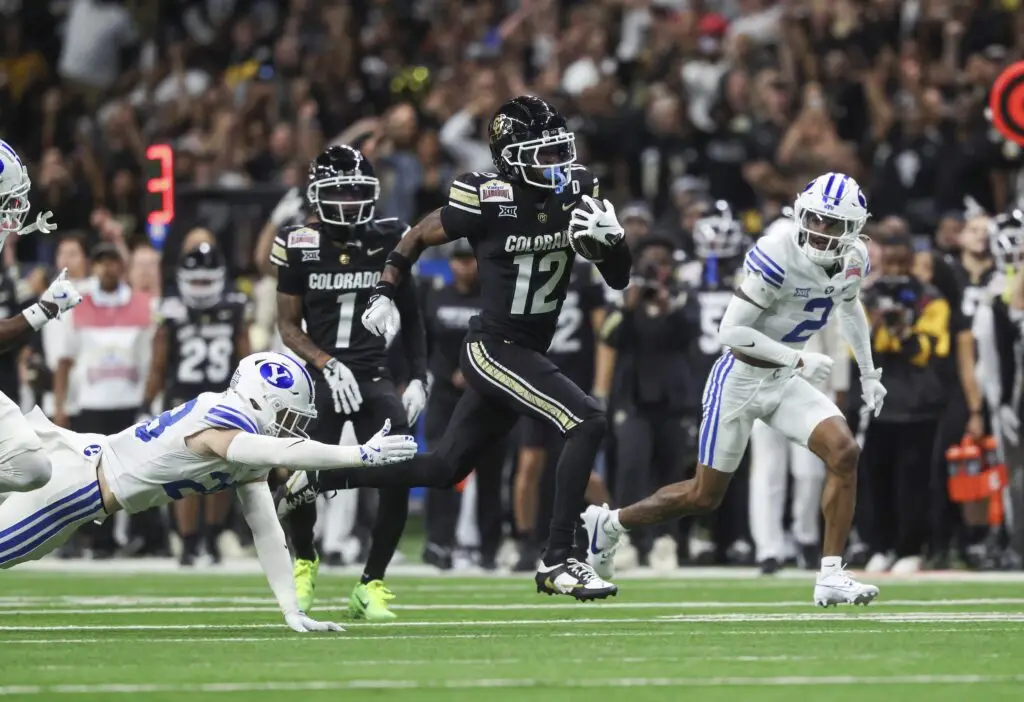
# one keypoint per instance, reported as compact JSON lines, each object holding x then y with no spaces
{"x":327,"y":685}
{"x":244,"y":566}
{"x":846,"y":617}
{"x":173,"y":605}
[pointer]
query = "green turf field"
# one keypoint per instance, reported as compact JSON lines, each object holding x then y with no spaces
{"x":165,"y":636}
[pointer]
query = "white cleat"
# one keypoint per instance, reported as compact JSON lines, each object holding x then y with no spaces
{"x":835,"y":587}
{"x":601,"y":540}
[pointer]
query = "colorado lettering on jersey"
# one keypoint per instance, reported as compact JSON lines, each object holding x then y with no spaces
{"x":343,"y":281}
{"x":541,"y":242}
{"x":456,"y":317}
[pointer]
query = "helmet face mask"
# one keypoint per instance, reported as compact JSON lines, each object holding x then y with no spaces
{"x":202,"y":277}
{"x":14,"y":187}
{"x":531,"y":144}
{"x":719,"y":235}
{"x":342,"y":187}
{"x":830,"y":214}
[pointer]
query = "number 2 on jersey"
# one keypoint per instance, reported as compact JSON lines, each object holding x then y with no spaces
{"x":557,"y":262}
{"x":804,"y":330}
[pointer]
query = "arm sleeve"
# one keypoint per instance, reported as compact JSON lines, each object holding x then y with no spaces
{"x":269,"y":540}
{"x":735,"y":331}
{"x":297,"y":454}
{"x":857,"y":332}
{"x":461,"y":216}
{"x":414,"y":335}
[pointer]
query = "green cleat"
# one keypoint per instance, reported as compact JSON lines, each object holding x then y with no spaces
{"x":370,"y":602}
{"x":305,"y":582}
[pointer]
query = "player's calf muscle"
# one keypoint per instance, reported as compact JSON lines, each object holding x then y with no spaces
{"x":699,"y":495}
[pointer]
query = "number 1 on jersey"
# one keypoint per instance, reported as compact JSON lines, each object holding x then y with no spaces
{"x":346,"y":314}
{"x":557,"y":262}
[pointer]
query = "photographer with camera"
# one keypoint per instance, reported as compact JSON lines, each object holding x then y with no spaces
{"x":653,"y":386}
{"x":910,"y":327}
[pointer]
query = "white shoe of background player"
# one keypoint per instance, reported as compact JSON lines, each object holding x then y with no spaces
{"x":602,"y":540}
{"x":835,"y":587}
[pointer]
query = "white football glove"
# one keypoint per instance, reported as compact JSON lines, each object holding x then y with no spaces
{"x":381,"y":316}
{"x":298,"y":621}
{"x":43,"y":225}
{"x":344,"y":388}
{"x":601,"y":226}
{"x":414,"y":399}
{"x":871,"y":389}
{"x":1009,"y":424}
{"x":60,"y":297}
{"x":816,"y":367}
{"x":382,"y":450}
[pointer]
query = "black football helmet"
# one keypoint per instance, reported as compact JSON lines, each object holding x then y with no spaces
{"x":342,"y":187}
{"x":1006,"y":234}
{"x":719,"y":234}
{"x":201,"y":276}
{"x":530,"y":143}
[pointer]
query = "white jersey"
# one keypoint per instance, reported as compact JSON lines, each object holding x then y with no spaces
{"x":798,"y":295}
{"x":148,"y":464}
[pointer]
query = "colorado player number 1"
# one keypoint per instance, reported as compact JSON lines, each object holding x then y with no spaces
{"x":346,"y":313}
{"x":557,"y":262}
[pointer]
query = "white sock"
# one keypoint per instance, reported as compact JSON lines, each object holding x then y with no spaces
{"x":613,"y":524}
{"x":831,"y":563}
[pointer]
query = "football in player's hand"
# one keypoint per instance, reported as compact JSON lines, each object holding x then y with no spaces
{"x":585,"y":246}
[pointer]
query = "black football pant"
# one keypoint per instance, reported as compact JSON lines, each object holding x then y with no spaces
{"x":896,"y":466}
{"x":505,"y":381}
{"x":381,"y":401}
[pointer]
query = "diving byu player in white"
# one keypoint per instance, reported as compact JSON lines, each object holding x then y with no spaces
{"x":23,"y":463}
{"x":792,"y":284}
{"x":216,"y":441}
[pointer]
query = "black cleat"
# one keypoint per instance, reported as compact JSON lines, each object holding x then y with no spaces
{"x":769,"y":566}
{"x":574,"y":578}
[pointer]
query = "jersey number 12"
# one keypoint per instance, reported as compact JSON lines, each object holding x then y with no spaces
{"x":556,"y":262}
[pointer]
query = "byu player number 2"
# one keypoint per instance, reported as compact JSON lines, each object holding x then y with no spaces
{"x":808,"y":327}
{"x":557,"y":262}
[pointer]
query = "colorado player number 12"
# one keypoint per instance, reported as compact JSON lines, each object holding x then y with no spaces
{"x":557,"y":262}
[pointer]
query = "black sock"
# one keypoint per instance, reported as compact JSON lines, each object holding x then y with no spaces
{"x":392,"y":511}
{"x":190,"y":543}
{"x":571,"y":478}
{"x":300,"y":529}
{"x":210,"y":536}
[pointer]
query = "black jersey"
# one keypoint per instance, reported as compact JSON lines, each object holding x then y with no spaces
{"x":9,"y":356}
{"x":572,"y":346}
{"x":335,"y":277}
{"x":520,"y":236}
{"x":448,"y":314}
{"x":973,"y":291}
{"x":201,"y":348}
{"x":713,"y":292}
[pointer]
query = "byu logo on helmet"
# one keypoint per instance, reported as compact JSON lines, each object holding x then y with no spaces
{"x":277,"y":375}
{"x":92,"y":449}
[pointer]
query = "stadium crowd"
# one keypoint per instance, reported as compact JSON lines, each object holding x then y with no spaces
{"x":677,"y":105}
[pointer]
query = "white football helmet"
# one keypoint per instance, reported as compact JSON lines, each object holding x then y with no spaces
{"x":1006,"y":235}
{"x":719,"y":235}
{"x":279,"y":392}
{"x":14,"y":187}
{"x":830,"y":214}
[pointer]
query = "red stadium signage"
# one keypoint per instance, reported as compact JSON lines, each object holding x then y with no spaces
{"x":1006,"y":102}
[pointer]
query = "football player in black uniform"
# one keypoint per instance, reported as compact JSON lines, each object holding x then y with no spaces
{"x":526,"y":223}
{"x":202,"y":333}
{"x":327,"y":270}
{"x":572,"y":349}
